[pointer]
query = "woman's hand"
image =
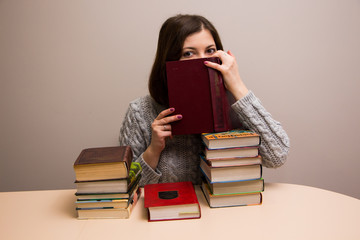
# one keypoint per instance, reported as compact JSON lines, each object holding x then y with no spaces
{"x":229,"y":70}
{"x":161,"y":129}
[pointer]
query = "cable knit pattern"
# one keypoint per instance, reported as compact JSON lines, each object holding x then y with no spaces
{"x":179,"y":161}
{"x":275,"y":143}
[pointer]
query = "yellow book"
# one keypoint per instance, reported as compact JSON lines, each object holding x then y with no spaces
{"x":231,"y":139}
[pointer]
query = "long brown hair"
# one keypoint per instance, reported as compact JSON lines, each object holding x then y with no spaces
{"x":172,"y":35}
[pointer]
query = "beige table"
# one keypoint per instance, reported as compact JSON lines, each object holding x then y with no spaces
{"x":288,"y":212}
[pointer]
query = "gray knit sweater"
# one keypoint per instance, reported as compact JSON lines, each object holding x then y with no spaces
{"x":179,"y":161}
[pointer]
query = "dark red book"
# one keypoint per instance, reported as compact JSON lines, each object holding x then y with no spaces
{"x":171,"y":201}
{"x":198,"y":93}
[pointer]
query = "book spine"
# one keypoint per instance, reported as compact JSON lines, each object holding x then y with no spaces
{"x":128,"y":156}
{"x":220,"y":105}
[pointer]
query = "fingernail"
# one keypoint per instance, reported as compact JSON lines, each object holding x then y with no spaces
{"x":172,"y":109}
{"x":206,"y":62}
{"x":179,"y":117}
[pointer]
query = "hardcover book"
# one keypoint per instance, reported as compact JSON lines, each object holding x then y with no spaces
{"x":109,"y":212}
{"x":231,"y":139}
{"x":102,"y":203}
{"x":231,"y":200}
{"x":231,"y":174}
{"x":236,"y":187}
{"x":198,"y":93}
{"x":231,"y":152}
{"x":232,"y":161}
{"x":113,"y":195}
{"x":103,"y":163}
{"x":171,"y":201}
{"x":121,"y":185}
{"x":107,"y":202}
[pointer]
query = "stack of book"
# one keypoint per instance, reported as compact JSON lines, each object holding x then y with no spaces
{"x":232,"y":168}
{"x":107,"y":182}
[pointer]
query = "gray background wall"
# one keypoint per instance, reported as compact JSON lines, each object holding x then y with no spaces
{"x":69,"y":68}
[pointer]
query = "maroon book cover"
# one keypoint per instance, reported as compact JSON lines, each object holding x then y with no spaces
{"x":198,"y":93}
{"x":169,"y":195}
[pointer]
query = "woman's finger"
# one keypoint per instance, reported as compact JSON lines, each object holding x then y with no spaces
{"x":224,"y":56}
{"x":163,"y":118}
{"x":165,"y":113}
{"x":213,"y":65}
{"x":230,"y":53}
{"x":166,"y":127}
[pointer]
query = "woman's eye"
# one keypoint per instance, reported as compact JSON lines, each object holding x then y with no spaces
{"x":187,"y":54}
{"x":211,"y":51}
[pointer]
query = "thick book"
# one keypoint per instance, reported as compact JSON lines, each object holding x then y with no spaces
{"x":236,"y":187}
{"x":198,"y":93}
{"x":101,"y":196}
{"x":171,"y":201}
{"x":231,"y":139}
{"x":103,"y":163}
{"x":102,"y":203}
{"x":109,"y":212}
{"x":231,"y":174}
{"x":106,"y":203}
{"x":121,"y":185}
{"x":238,"y":152}
{"x":232,"y":161}
{"x":231,"y":200}
{"x":106,"y":186}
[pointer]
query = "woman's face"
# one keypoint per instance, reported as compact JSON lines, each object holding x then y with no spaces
{"x":198,"y":45}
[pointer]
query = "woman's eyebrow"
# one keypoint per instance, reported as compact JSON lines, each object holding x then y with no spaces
{"x":194,"y":48}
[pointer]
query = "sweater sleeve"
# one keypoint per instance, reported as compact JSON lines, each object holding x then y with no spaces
{"x":275,"y":143}
{"x":134,"y":134}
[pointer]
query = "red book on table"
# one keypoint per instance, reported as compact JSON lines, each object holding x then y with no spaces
{"x":171,"y":201}
{"x":198,"y":93}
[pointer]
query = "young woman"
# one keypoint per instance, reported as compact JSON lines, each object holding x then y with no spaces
{"x":147,"y":124}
